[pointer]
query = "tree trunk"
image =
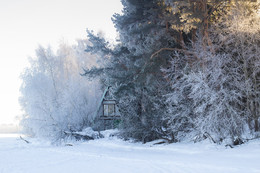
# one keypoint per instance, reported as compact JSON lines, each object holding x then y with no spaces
{"x":256,"y":124}
{"x":193,"y":36}
{"x":181,"y":40}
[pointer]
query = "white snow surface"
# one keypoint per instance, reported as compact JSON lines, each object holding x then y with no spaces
{"x":113,"y":155}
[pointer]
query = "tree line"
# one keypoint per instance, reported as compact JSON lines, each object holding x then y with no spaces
{"x":182,"y":69}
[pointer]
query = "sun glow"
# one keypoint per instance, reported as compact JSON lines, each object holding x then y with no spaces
{"x":46,"y":23}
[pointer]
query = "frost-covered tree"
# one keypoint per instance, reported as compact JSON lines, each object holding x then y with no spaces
{"x":136,"y":78}
{"x":55,"y":98}
{"x":187,"y":17}
{"x":238,"y":35}
{"x":215,"y":88}
{"x":217,"y":94}
{"x":179,"y":120}
{"x":206,"y":96}
{"x":169,"y":83}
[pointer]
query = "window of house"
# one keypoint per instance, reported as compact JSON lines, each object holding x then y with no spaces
{"x":109,"y":110}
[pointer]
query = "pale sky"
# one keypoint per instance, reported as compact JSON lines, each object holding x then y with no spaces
{"x":24,"y":24}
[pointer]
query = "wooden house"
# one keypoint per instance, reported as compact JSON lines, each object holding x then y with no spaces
{"x":107,"y":111}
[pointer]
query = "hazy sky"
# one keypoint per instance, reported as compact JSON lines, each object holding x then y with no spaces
{"x":24,"y":24}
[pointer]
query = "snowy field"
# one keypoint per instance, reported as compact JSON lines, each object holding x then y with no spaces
{"x":112,"y":155}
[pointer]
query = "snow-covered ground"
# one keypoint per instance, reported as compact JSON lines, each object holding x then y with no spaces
{"x":112,"y":155}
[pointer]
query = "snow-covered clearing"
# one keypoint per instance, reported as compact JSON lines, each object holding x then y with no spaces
{"x":114,"y":155}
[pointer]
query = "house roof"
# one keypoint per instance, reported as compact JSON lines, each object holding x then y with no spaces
{"x":105,"y":97}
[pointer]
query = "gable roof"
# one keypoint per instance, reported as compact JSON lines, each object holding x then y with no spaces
{"x":106,"y":96}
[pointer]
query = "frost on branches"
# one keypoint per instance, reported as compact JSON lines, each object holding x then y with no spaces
{"x":216,"y":90}
{"x":55,"y":97}
{"x":180,"y":70}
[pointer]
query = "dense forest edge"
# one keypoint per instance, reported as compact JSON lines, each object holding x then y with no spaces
{"x":181,"y":70}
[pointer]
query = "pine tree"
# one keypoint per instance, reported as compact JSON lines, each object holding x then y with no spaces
{"x":192,"y":17}
{"x":138,"y":83}
{"x":183,"y":97}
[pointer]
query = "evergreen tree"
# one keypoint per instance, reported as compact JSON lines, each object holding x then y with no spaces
{"x":186,"y":89}
{"x":190,"y":17}
{"x":139,"y":84}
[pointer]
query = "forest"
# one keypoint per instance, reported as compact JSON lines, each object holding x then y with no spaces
{"x":181,"y":70}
